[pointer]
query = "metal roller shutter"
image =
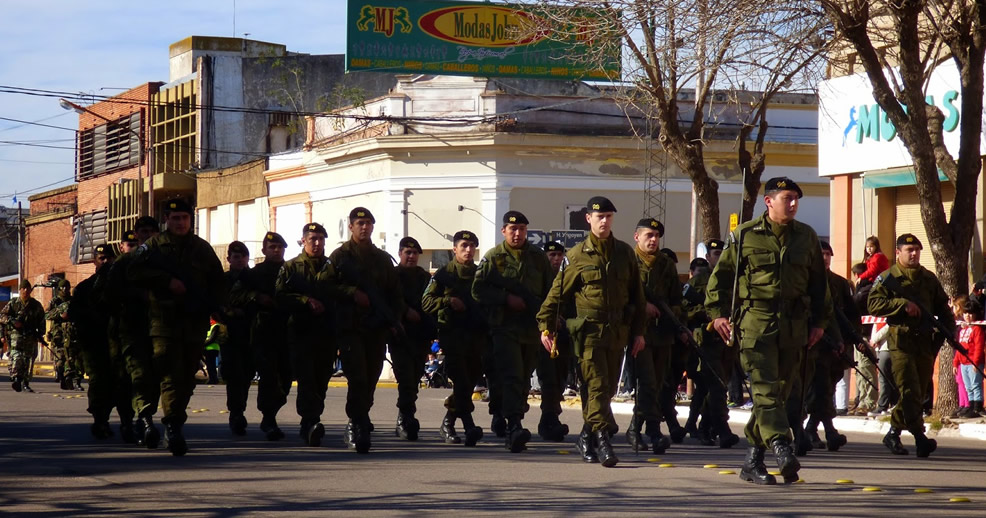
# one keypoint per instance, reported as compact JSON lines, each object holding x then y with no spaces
{"x":908,"y":217}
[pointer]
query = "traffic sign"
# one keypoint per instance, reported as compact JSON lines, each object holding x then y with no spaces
{"x":537,"y":237}
{"x":568,"y":238}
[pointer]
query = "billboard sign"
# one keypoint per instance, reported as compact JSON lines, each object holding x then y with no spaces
{"x":474,"y":39}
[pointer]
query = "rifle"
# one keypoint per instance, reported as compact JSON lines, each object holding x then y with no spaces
{"x":862,"y":345}
{"x":553,"y":353}
{"x":894,"y":286}
{"x":668,"y":317}
{"x":196,"y":299}
{"x":514,"y":287}
{"x":474,"y":316}
{"x":351,"y":275}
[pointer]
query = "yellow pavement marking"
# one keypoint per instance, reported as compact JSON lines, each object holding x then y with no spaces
{"x":774,"y":473}
{"x":710,"y":466}
{"x":959,"y":499}
{"x":666,"y":465}
{"x":727,"y":472}
{"x":653,"y":460}
{"x":872,"y":489}
{"x":844,"y":481}
{"x":563,"y":452}
{"x":923,"y":490}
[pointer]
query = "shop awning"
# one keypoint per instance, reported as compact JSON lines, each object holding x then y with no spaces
{"x":895,"y":178}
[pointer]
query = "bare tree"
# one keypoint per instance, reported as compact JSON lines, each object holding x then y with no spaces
{"x":678,"y":54}
{"x":899,"y":44}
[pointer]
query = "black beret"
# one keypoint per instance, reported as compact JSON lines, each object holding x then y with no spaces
{"x":25,"y":285}
{"x":314,"y":227}
{"x":146,"y":222}
{"x":465,"y":235}
{"x":105,"y":250}
{"x":361,"y":213}
{"x":600,"y":204}
{"x":909,"y":239}
{"x":652,"y":223}
{"x":513,"y":217}
{"x":782,"y":183}
{"x":826,"y":247}
{"x":554,"y":246}
{"x":237,"y":247}
{"x":698,"y":262}
{"x":671,"y":255}
{"x":409,"y":242}
{"x":274,"y":237}
{"x":130,"y":236}
{"x":714,"y":244}
{"x":177,"y":205}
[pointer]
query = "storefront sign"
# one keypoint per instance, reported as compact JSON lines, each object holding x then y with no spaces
{"x":476,"y":39}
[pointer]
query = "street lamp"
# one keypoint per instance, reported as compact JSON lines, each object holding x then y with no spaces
{"x":69,"y":105}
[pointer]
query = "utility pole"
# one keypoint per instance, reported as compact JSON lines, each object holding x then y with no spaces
{"x":20,"y":245}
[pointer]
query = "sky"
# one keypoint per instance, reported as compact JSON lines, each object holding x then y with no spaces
{"x":102,"y":47}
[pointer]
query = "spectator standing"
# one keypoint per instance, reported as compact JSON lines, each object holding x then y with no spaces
{"x":972,"y":337}
{"x":876,"y":262}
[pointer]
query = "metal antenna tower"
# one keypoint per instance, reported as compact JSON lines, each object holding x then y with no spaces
{"x":655,"y":172}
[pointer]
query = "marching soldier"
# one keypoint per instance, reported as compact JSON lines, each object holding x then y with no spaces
{"x":659,"y":278}
{"x":307,"y":290}
{"x":783,"y":305}
{"x":369,"y":319}
{"x":128,"y":304}
{"x":24,"y":320}
{"x":553,"y":371}
{"x":237,"y":367}
{"x":268,"y":329}
{"x":462,"y":334}
{"x":60,"y":333}
{"x":511,"y":283}
{"x":603,"y":279}
{"x":408,"y":356}
{"x":184,"y":280}
{"x":913,"y":346}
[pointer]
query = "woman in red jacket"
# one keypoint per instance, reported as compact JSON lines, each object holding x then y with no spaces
{"x":973,"y":337}
{"x":876,"y":262}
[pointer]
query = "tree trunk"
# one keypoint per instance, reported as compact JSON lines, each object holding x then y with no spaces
{"x":707,"y":197}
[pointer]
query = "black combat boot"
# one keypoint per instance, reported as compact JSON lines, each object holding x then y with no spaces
{"x":361,"y":435}
{"x":407,"y":426}
{"x":347,"y":434}
{"x":151,"y":437}
{"x":690,"y":427}
{"x":238,"y":424}
{"x":27,"y":386}
{"x":472,"y":432}
{"x":66,"y":384}
{"x":551,"y":429}
{"x":447,"y":430}
{"x":498,"y":425}
{"x":607,"y":457}
{"x":101,"y":430}
{"x":727,"y":439}
{"x":176,"y":441}
{"x":675,"y":431}
{"x":924,"y":446}
{"x":517,"y":435}
{"x":892,"y":442}
{"x":314,"y":434}
{"x":812,"y":438}
{"x":127,"y":432}
{"x":272,"y":432}
{"x":658,"y":441}
{"x":634,"y":438}
{"x":754,"y":469}
{"x":787,"y":463}
{"x":15,"y":383}
{"x":705,"y":434}
{"x":833,"y":439}
{"x":586,"y":447}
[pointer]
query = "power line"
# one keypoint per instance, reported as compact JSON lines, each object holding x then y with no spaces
{"x":29,"y":123}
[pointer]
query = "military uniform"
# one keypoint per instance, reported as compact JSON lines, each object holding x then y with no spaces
{"x":783,"y":293}
{"x":311,"y":337}
{"x":409,"y":355}
{"x":59,"y":334}
{"x":365,"y":332}
{"x":659,"y":278}
{"x":178,"y":323}
{"x":524,"y":273}
{"x":25,"y":323}
{"x":553,"y":373}
{"x":603,"y":278}
{"x":913,"y":344}
{"x":237,"y":367}
{"x":463,"y":336}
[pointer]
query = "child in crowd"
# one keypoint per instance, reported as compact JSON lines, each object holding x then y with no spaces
{"x":973,"y":338}
{"x":958,"y":309}
{"x":876,"y":262}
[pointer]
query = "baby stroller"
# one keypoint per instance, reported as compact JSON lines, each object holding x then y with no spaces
{"x":436,"y":373}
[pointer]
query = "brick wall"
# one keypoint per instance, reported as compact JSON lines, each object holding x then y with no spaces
{"x":118,"y":106}
{"x":94,"y":193}
{"x":53,"y":200}
{"x":47,"y":247}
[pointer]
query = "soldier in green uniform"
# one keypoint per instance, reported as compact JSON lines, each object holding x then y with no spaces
{"x":408,"y":356}
{"x":91,"y":313}
{"x":307,"y":290}
{"x":603,"y":279}
{"x":237,"y":366}
{"x":462,"y":333}
{"x":913,"y":344}
{"x":268,"y":328}
{"x":59,"y":333}
{"x":650,"y":366}
{"x":369,"y":318}
{"x":708,"y":394}
{"x":553,"y":366}
{"x":128,"y":304}
{"x":24,"y":320}
{"x":783,"y":307}
{"x":184,"y":280}
{"x":511,"y":283}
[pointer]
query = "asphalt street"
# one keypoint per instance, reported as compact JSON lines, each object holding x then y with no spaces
{"x":50,"y":466}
